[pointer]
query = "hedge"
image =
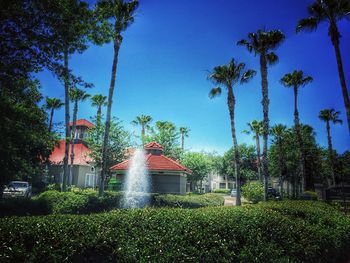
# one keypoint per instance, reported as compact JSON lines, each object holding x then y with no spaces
{"x":87,"y":201}
{"x":272,"y":232}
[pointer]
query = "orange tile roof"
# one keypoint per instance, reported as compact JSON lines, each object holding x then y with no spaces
{"x":83,"y":122}
{"x":80,"y":154}
{"x":153,"y":145}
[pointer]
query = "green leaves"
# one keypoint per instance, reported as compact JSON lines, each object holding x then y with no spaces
{"x":295,"y":79}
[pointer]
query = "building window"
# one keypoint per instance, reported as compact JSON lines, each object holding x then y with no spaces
{"x":222,"y":186}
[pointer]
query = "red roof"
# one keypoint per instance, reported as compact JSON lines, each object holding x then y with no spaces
{"x":83,"y":122}
{"x":80,"y":154}
{"x":153,"y":145}
{"x":154,"y":163}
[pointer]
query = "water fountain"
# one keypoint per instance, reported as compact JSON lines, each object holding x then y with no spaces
{"x":137,"y":185}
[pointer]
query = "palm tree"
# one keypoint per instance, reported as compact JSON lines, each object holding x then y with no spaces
{"x":184,"y":133}
{"x":52,"y":104}
{"x":296,"y":80}
{"x":330,"y":11}
{"x":143,"y":121}
{"x":261,"y":43}
{"x":255,"y":127}
{"x":117,"y":15}
{"x":228,"y":76}
{"x":75,"y":96}
{"x":278,"y":131}
{"x":330,"y":115}
{"x":98,"y":101}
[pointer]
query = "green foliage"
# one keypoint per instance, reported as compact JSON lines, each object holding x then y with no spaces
{"x":199,"y":163}
{"x":253,"y":192}
{"x":247,"y":162}
{"x":302,"y":231}
{"x":166,"y":134}
{"x":22,"y":207}
{"x":119,"y":141}
{"x":221,"y":191}
{"x":188,"y":201}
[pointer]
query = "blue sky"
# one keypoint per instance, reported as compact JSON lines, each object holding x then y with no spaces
{"x":167,"y":52}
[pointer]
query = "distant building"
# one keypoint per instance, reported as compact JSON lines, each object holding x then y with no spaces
{"x":217,"y":181}
{"x":84,"y":173}
{"x":167,"y":175}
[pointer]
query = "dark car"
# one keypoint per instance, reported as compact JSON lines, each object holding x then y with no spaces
{"x":272,"y":193}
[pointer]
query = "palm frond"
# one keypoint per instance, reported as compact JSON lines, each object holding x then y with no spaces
{"x":215,"y":92}
{"x":307,"y":24}
{"x":248,"y":75}
{"x":271,"y":58}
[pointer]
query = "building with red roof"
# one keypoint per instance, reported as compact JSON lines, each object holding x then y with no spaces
{"x":83,"y":170}
{"x":167,"y":175}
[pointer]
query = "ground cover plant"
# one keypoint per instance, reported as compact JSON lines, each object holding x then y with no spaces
{"x":302,"y":231}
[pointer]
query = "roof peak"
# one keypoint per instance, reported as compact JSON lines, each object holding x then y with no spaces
{"x":83,"y":122}
{"x":153,"y":145}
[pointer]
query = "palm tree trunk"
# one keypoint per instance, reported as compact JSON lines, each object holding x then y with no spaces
{"x":117,"y":43}
{"x":66,"y":105}
{"x":51,"y":119}
{"x":74,"y":127}
{"x":330,"y":151}
{"x":344,"y":89}
{"x":231,"y":107}
{"x":300,"y":141}
{"x":182,"y":141}
{"x":257,"y":141}
{"x":143,"y":134}
{"x":265,"y":103}
{"x":98,"y":122}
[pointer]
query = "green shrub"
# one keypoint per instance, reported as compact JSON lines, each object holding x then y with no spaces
{"x":188,"y":201}
{"x":23,"y":207}
{"x":222,"y":191}
{"x":253,"y":192}
{"x":286,"y":231}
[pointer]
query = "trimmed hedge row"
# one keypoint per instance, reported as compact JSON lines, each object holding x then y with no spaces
{"x":292,"y":231}
{"x":80,"y":201}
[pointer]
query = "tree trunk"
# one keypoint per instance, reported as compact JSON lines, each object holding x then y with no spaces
{"x":143,"y":134}
{"x":51,"y":119}
{"x":182,"y":141}
{"x":231,"y":107}
{"x":98,"y":123}
{"x":330,"y":151}
{"x":344,"y":89}
{"x":305,"y":184}
{"x":117,"y":43}
{"x":265,"y":103}
{"x":75,"y":112}
{"x":257,"y":141}
{"x":66,"y":106}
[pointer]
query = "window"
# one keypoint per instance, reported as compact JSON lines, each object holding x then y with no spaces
{"x":222,"y":186}
{"x":90,"y":180}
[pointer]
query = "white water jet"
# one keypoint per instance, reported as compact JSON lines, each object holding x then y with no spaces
{"x":136,"y":184}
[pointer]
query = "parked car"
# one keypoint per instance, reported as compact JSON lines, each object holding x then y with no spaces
{"x":233,"y":193}
{"x":18,"y":189}
{"x":272,"y":193}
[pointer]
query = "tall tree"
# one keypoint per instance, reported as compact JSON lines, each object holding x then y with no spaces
{"x":52,"y":104}
{"x":278,"y":131}
{"x":71,"y":27}
{"x":99,"y":101}
{"x":143,"y":121}
{"x":328,"y":116}
{"x":262,"y":43}
{"x":117,"y":15}
{"x":228,"y":76}
{"x":330,"y":11}
{"x":75,"y":95}
{"x":184,"y":133}
{"x":255,"y":127}
{"x":296,"y":80}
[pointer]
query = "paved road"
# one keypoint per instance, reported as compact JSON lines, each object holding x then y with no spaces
{"x":230,"y":201}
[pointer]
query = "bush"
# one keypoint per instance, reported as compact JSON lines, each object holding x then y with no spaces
{"x":23,"y":207}
{"x":222,"y":191}
{"x":188,"y":201}
{"x":286,"y":231}
{"x":253,"y":192}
